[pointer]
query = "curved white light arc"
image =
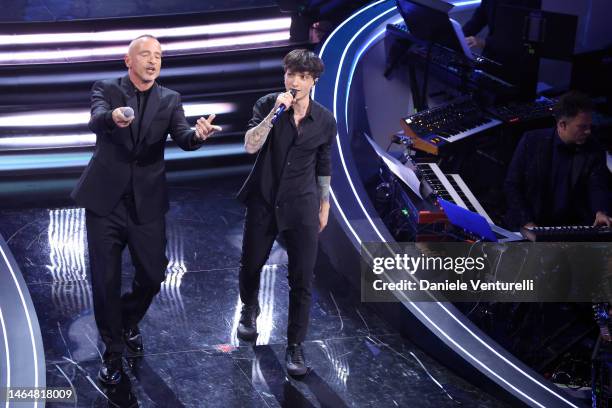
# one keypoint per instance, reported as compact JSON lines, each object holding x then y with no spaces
{"x":28,"y":318}
{"x":8,"y":355}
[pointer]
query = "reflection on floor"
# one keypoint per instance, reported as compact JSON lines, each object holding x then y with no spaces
{"x":193,"y":358}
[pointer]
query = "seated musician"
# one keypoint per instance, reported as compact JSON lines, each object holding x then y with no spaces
{"x":515,"y":65}
{"x":559,"y":176}
{"x":484,"y":16}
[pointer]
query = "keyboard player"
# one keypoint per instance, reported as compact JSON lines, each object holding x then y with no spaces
{"x":559,"y":176}
{"x":515,"y":66}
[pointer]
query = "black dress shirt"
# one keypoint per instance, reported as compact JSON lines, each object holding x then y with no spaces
{"x":142,"y":97}
{"x":288,"y":164}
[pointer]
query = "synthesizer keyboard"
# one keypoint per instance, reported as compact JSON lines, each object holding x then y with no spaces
{"x":453,"y":67}
{"x":450,"y":187}
{"x":438,"y":128}
{"x":568,"y":234}
{"x":518,"y":112}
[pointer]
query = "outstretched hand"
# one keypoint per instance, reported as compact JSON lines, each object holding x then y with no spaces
{"x":204,"y":127}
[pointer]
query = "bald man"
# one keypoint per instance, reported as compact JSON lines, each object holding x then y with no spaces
{"x":124,"y":192}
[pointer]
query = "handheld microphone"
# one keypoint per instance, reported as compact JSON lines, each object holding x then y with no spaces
{"x":279,"y":111}
{"x":128,"y":112}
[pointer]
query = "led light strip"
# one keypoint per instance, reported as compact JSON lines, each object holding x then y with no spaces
{"x":28,"y":318}
{"x":466,"y":3}
{"x":48,"y":141}
{"x":54,"y":140}
{"x":382,"y":238}
{"x":81,"y":117}
{"x":117,"y":52}
{"x":8,"y":355}
{"x":254,"y":26}
{"x":80,"y":159}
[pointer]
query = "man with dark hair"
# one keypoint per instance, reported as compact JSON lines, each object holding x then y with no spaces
{"x":124,"y":192}
{"x":287,"y":192}
{"x":559,"y":176}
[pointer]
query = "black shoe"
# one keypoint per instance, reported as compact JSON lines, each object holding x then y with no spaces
{"x":112,"y":369}
{"x":247,"y":327}
{"x":294,"y":359}
{"x":133,"y":339}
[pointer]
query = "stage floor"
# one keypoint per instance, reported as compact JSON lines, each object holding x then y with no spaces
{"x":192,"y":356}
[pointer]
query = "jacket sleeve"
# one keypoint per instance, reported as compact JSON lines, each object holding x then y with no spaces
{"x":478,"y":20}
{"x":259,"y":112}
{"x":600,"y":196}
{"x":180,"y":131}
{"x":101,"y":120}
{"x":514,"y":186}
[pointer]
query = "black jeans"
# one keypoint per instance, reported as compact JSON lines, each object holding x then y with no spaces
{"x":106,"y":239}
{"x":260,"y":231}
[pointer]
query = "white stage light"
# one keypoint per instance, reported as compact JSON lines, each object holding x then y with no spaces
{"x":117,"y":52}
{"x":81,"y":117}
{"x":254,"y":26}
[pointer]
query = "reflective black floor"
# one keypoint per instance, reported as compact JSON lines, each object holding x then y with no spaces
{"x":193,"y":358}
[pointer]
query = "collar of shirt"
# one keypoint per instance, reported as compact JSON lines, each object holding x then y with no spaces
{"x":564,"y":147}
{"x":138,"y":91}
{"x":311,"y":112}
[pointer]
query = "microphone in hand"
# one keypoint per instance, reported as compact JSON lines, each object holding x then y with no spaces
{"x":279,"y":111}
{"x":123,"y":116}
{"x":128,"y":112}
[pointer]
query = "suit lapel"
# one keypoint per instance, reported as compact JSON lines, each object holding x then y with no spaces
{"x":130,"y":100}
{"x":149,"y":113}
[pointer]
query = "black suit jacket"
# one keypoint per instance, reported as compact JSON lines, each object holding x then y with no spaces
{"x":483,"y":16}
{"x":528,"y":183}
{"x":135,"y":153}
{"x":503,"y":47}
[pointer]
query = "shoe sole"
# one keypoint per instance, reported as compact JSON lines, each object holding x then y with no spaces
{"x":298,"y":373}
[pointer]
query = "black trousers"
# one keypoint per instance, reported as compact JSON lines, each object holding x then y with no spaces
{"x":260,"y":231}
{"x":107,"y":237}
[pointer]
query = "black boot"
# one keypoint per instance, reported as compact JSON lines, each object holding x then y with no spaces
{"x":112,"y":369}
{"x":133,"y":339}
{"x":295,"y":361}
{"x":247,"y":327}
